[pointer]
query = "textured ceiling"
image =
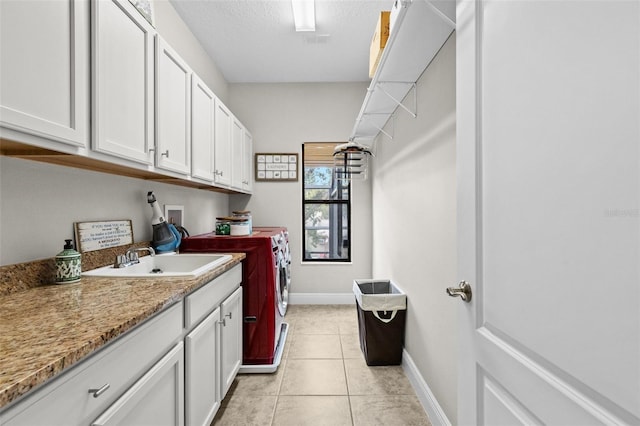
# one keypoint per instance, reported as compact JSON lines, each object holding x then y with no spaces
{"x":255,"y":40}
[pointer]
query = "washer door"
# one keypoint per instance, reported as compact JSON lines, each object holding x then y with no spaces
{"x":282,"y":284}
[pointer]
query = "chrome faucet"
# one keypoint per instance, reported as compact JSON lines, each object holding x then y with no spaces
{"x":131,"y":257}
{"x":131,"y":251}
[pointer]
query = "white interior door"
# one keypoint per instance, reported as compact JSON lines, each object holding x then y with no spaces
{"x":549,"y":212}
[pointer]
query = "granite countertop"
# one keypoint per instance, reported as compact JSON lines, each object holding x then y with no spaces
{"x":47,"y":329}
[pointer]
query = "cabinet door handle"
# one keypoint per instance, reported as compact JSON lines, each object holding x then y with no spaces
{"x":223,"y":322}
{"x":97,"y":392}
{"x":165,"y":154}
{"x":229,"y":315}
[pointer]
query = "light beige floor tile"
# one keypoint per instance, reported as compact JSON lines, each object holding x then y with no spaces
{"x":351,"y":346}
{"x":257,"y":384}
{"x":246,"y":411}
{"x":316,"y":346}
{"x":349,"y":326}
{"x":315,"y":325}
{"x":312,"y":411}
{"x":372,"y":410}
{"x":386,"y":380}
{"x":314,"y":377}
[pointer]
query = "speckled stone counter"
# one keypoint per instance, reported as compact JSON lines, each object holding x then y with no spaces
{"x":47,"y":329}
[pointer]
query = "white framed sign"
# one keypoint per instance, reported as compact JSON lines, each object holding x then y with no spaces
{"x":92,"y":236}
{"x":276,"y":167}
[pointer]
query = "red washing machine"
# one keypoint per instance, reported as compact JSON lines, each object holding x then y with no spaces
{"x":265,"y":286}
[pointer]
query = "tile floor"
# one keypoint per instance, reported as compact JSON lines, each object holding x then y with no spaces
{"x":322,"y":380}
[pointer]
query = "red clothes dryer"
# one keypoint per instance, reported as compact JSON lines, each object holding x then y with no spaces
{"x":265,"y":282}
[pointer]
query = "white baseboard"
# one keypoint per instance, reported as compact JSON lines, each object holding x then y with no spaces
{"x":427,"y":398}
{"x":322,"y":299}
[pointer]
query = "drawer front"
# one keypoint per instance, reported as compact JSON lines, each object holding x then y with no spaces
{"x":204,"y":300}
{"x":156,"y":399}
{"x":67,"y":400}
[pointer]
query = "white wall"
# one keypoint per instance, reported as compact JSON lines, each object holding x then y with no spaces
{"x":281,"y":117}
{"x":40,"y":202}
{"x":414,"y":223}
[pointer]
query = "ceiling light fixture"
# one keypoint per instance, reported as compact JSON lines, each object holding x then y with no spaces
{"x":304,"y":14}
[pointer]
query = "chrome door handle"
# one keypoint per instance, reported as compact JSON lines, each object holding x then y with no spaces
{"x":463,"y":290}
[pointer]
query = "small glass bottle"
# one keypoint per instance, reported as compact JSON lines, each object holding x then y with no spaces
{"x":223,"y":226}
{"x":68,"y":265}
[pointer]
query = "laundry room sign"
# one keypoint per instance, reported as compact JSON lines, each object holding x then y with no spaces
{"x":276,"y":167}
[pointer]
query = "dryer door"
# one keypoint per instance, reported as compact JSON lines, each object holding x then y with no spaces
{"x":282,"y":284}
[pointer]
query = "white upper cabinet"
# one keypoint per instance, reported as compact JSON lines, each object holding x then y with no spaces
{"x":222,"y":156}
{"x":202,"y":130}
{"x":247,"y":166}
{"x":173,"y":110}
{"x":44,"y":69}
{"x":237,"y":145}
{"x":123,"y":76}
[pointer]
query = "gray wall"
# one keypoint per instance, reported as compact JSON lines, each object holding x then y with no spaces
{"x":281,"y":117}
{"x":40,"y":202}
{"x":414,"y":214}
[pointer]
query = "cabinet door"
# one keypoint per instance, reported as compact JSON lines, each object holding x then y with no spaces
{"x":202,"y":393}
{"x":202,"y":130}
{"x":44,"y":68}
{"x":237,"y":136}
{"x":156,"y":399}
{"x":222,"y":157}
{"x":231,"y":339}
{"x":247,"y":166}
{"x":173,"y":110}
{"x":122,"y":54}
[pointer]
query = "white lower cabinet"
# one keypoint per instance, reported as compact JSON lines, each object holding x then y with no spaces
{"x":173,"y":369}
{"x":202,"y":392}
{"x":82,"y":394}
{"x":213,"y":346}
{"x":156,"y":399}
{"x":231,"y":337}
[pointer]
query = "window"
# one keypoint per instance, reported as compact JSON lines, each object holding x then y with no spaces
{"x":326,"y":206}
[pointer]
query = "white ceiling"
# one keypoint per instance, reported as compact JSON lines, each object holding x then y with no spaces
{"x":255,"y":40}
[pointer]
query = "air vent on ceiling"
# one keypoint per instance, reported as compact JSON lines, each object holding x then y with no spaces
{"x":317,"y":38}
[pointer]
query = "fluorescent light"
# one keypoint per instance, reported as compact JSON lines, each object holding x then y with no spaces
{"x":304,"y":15}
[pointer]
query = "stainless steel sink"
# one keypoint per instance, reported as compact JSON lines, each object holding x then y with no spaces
{"x":165,"y":265}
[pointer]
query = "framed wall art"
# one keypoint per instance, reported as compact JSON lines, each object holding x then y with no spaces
{"x":276,"y":167}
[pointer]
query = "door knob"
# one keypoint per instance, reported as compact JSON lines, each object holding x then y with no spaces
{"x":463,"y":290}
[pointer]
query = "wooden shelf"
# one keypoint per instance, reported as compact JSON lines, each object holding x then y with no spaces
{"x":28,"y":152}
{"x":420,"y":30}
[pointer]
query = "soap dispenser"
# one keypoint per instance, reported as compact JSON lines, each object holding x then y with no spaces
{"x":68,"y":265}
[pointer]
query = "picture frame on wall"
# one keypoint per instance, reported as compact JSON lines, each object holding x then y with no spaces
{"x":276,"y":167}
